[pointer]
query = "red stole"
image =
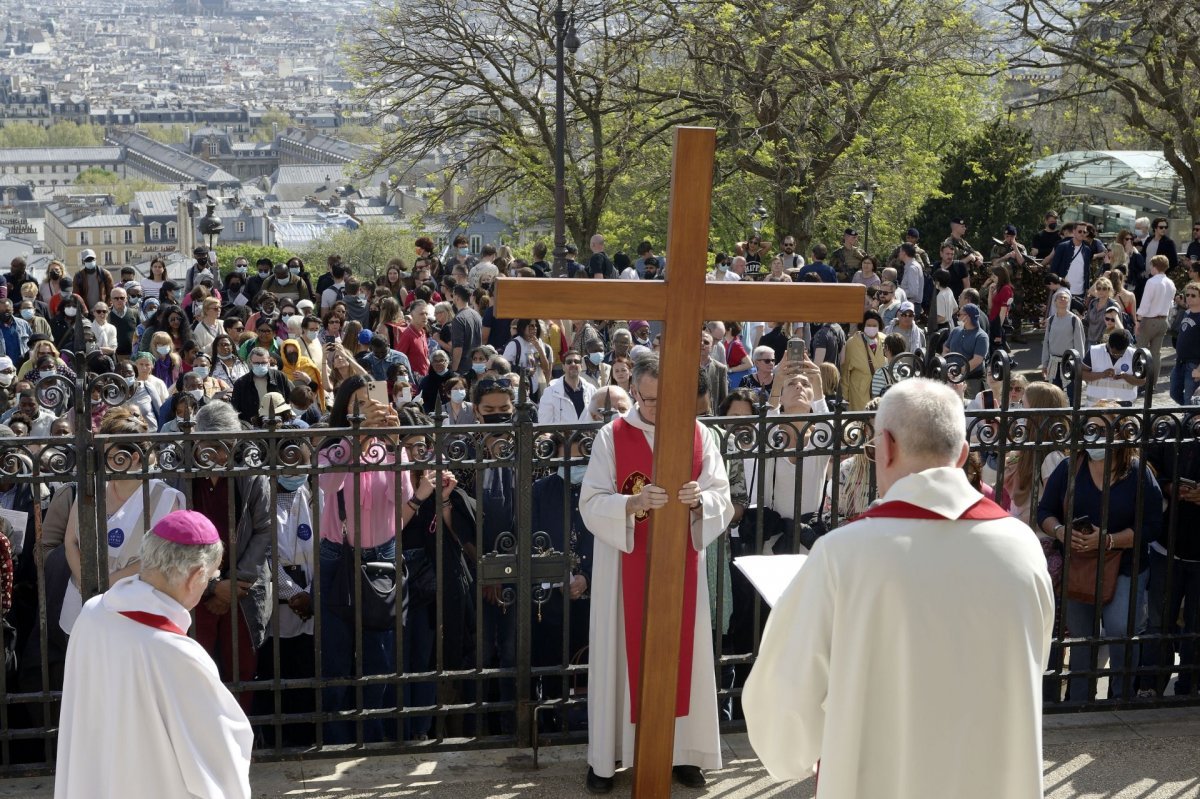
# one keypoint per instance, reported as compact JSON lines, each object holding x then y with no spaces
{"x":635,"y":467}
{"x":153,"y":620}
{"x":983,"y":510}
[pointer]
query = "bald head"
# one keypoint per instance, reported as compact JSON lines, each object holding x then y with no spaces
{"x":613,"y":398}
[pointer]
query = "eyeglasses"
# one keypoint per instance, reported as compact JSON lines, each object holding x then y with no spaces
{"x":1160,"y":227}
{"x":100,"y":313}
{"x":573,"y":362}
{"x":766,"y":360}
{"x":908,"y":313}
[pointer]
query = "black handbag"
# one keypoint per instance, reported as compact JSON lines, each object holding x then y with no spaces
{"x":377,"y":603}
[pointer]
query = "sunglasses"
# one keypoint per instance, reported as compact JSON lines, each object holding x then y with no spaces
{"x":573,"y":362}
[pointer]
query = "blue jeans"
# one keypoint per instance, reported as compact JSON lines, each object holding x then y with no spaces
{"x":1185,"y":594}
{"x":337,"y":654}
{"x":418,"y":655}
{"x":1183,"y":385}
{"x":1114,"y":618}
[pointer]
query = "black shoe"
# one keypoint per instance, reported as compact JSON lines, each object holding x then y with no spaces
{"x":688,"y":776}
{"x":596,"y":784}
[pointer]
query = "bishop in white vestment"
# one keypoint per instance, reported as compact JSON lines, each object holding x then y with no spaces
{"x":603,"y":507}
{"x":906,"y":657}
{"x":144,"y":712}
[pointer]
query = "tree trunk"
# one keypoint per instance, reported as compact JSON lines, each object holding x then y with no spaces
{"x":795,"y":215}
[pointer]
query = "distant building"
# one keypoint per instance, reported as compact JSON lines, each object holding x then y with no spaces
{"x":158,"y":161}
{"x":74,"y":224}
{"x":59,"y":166}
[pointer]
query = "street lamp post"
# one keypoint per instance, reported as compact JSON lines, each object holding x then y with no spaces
{"x":564,"y":39}
{"x":758,"y":216}
{"x":211,"y":225}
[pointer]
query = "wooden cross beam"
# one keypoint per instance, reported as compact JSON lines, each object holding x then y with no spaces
{"x":684,"y":301}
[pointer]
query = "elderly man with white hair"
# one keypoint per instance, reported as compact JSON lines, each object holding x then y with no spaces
{"x":934,"y":689}
{"x":133,"y":674}
{"x":608,"y":400}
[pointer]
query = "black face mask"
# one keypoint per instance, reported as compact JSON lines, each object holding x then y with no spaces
{"x":496,"y":418}
{"x":1052,"y":226}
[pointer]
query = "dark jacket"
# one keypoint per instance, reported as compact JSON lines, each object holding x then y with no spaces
{"x":245,"y":399}
{"x":1064,"y":253}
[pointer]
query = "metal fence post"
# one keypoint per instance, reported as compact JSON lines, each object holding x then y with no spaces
{"x":523,"y":467}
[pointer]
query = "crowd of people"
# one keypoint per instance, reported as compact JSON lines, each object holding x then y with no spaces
{"x":275,"y":346}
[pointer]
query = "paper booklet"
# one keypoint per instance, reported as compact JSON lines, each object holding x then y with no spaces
{"x":770,"y":574}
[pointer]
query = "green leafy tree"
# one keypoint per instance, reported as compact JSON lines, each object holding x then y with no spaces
{"x":166,"y":134}
{"x":60,"y":134}
{"x":365,"y":250}
{"x":122,"y":189}
{"x":226,"y":254}
{"x":987,"y":181}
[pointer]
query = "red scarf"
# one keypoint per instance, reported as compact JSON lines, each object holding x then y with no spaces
{"x":153,"y":620}
{"x":635,"y":468}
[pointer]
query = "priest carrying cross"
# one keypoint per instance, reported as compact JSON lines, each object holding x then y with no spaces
{"x":659,"y":535}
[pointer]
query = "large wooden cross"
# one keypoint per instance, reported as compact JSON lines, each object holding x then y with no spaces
{"x":684,"y":301}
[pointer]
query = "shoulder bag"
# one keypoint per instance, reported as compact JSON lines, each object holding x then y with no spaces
{"x":376,"y":605}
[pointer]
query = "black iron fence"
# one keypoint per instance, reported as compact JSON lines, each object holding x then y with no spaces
{"x":491,"y":648}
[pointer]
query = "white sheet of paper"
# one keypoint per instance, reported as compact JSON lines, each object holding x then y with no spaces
{"x":770,"y":574}
{"x":16,"y":518}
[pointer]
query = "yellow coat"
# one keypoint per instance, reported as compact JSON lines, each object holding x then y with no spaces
{"x":858,"y":367}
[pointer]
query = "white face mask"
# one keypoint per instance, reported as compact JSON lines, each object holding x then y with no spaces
{"x":196,"y":393}
{"x":6,"y":378}
{"x":870,"y":331}
{"x":458,"y":395}
{"x":70,"y":310}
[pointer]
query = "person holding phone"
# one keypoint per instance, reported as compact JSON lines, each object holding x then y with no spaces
{"x":1098,"y":469}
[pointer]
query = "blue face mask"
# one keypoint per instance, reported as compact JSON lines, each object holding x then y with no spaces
{"x":1096,"y":453}
{"x":200,"y":371}
{"x":464,"y":251}
{"x":596,"y":358}
{"x":291,"y":482}
{"x":479,"y":368}
{"x":259,"y":369}
{"x":576,"y":473}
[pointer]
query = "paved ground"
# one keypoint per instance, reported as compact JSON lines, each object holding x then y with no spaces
{"x":1148,"y":754}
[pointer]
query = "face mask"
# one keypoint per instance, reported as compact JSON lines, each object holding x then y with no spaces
{"x":90,"y":266}
{"x":70,"y":310}
{"x":241,"y":270}
{"x":1096,"y":453}
{"x":404,"y":395}
{"x":200,"y":372}
{"x":264,"y":272}
{"x":311,"y":335}
{"x":196,"y":393}
{"x":722,"y":267}
{"x":163,"y":350}
{"x":479,"y":368}
{"x":464,"y":251}
{"x":458,"y":395}
{"x":295,"y":270}
{"x":1052,"y":226}
{"x":259,"y":369}
{"x":6,"y":317}
{"x":871,"y":331}
{"x":643,"y":340}
{"x":283,"y":281}
{"x":291,"y":482}
{"x":6,"y":378}
{"x":47,"y":373}
{"x":497,"y":418}
{"x":130,"y":381}
{"x":440,"y":372}
{"x":575,"y":474}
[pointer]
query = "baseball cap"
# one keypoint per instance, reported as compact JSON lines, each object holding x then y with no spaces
{"x":907,"y":306}
{"x":83,"y":256}
{"x":188,"y":528}
{"x":1010,"y":230}
{"x":972,"y":310}
{"x":914,"y":233}
{"x":304,"y":306}
{"x":365,"y":336}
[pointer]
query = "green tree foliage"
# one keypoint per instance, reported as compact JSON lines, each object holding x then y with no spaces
{"x":366,"y":250}
{"x":226,"y":254}
{"x":60,"y":134}
{"x":987,"y":181}
{"x":1145,"y":52}
{"x":486,"y":103}
{"x":166,"y":134}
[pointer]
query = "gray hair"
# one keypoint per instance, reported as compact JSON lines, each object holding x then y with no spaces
{"x":607,"y":397}
{"x":217,"y":416}
{"x":176,"y":561}
{"x":645,"y":366}
{"x":623,"y":332}
{"x":443,"y":306}
{"x":259,"y":351}
{"x":925,"y":417}
{"x":763,"y":352}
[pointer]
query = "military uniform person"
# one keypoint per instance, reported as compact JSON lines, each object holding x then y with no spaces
{"x":847,"y":259}
{"x":912,"y":237}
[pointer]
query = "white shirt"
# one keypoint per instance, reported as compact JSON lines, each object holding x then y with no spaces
{"x":106,"y":335}
{"x":1077,"y":271}
{"x":330,"y":295}
{"x":629,"y":273}
{"x":1157,"y":298}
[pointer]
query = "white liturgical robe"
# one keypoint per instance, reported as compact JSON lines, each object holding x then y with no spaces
{"x":144,"y":713}
{"x":907,"y":656}
{"x":610,"y":730}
